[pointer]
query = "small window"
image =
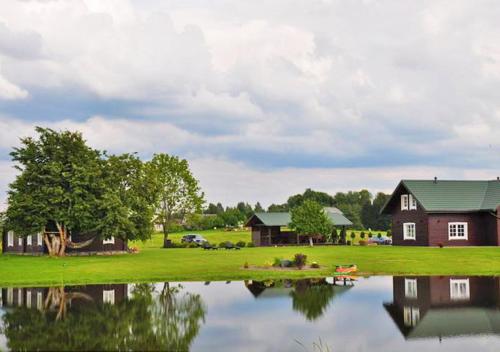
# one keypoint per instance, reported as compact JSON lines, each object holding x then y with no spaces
{"x":20,"y":241}
{"x":29,"y":240}
{"x":10,"y":239}
{"x":411,"y":288}
{"x":108,"y":296}
{"x":457,"y":231}
{"x":109,"y":240}
{"x":404,"y":202}
{"x":459,"y":289}
{"x":409,"y":232}
{"x":413,"y":202}
{"x":411,"y":316}
{"x":39,"y":301}
{"x":39,"y":239}
{"x":28,"y":299}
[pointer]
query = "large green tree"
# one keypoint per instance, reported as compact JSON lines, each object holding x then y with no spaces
{"x":310,"y":218}
{"x":66,"y":185}
{"x":177,"y":192}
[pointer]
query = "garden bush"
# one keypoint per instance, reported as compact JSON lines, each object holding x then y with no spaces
{"x":192,"y":245}
{"x":277,"y":261}
{"x":250,"y":244}
{"x":362,"y":235}
{"x":300,"y":260}
{"x":223,"y":244}
{"x":285,"y":263}
{"x":370,"y":235}
{"x":241,"y":244}
{"x":353,"y":235}
{"x":379,"y":235}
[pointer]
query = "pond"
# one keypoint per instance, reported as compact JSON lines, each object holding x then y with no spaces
{"x":439,"y":313}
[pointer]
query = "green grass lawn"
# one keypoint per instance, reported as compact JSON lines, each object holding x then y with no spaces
{"x":156,"y":264}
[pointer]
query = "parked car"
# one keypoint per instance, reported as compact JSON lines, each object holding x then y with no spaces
{"x":381,"y":240}
{"x":193,"y":238}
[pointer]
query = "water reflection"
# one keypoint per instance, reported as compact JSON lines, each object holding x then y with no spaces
{"x":372,"y":314}
{"x":310,"y":297}
{"x":445,"y":306}
{"x":101,"y":317}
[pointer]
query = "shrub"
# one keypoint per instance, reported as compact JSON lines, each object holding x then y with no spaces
{"x":250,"y":244}
{"x":348,"y":243}
{"x":285,"y":263}
{"x":277,"y":261}
{"x":192,"y":245}
{"x":362,"y":235}
{"x":223,"y":244}
{"x":314,"y":265}
{"x":300,"y":260}
{"x":353,"y":235}
{"x":241,"y":243}
{"x":362,"y":243}
{"x":370,"y":235}
{"x":379,"y":235}
{"x":441,"y":245}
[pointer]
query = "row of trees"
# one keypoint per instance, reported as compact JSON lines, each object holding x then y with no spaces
{"x":65,"y":187}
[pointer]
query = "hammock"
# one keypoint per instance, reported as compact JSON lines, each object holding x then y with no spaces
{"x":79,"y":245}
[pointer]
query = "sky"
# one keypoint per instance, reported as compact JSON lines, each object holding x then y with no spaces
{"x":264,"y":98}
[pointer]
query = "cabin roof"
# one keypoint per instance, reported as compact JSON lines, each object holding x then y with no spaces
{"x":284,"y":219}
{"x":452,"y":195}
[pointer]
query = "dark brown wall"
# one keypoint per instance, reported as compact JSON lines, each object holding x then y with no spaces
{"x":97,"y":245}
{"x":481,"y":229}
{"x":399,"y":217}
{"x":15,"y":249}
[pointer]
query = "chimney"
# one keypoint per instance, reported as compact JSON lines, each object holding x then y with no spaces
{"x":435,"y":179}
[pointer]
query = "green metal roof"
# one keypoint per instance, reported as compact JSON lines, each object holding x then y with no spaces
{"x":453,"y":195}
{"x":284,"y":219}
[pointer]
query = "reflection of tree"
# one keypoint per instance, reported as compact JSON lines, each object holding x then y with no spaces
{"x":312,"y":298}
{"x":169,"y":321}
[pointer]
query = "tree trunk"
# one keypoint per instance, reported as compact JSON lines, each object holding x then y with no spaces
{"x":61,"y":250}
{"x":166,"y":242}
{"x":48,"y":244}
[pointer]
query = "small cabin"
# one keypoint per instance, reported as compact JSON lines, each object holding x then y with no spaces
{"x":269,"y":229}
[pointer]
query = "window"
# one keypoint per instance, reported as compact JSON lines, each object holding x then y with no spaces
{"x":411,"y":288}
{"x":20,"y":241}
{"x":109,"y":240}
{"x":10,"y":296}
{"x":457,"y":231}
{"x":409,"y":232}
{"x":413,"y":202}
{"x":29,"y":240}
{"x":39,"y":301}
{"x":404,"y":202}
{"x":411,"y":316}
{"x":10,"y":239}
{"x":459,"y":289}
{"x":28,"y":299}
{"x":39,"y":239}
{"x":108,"y":296}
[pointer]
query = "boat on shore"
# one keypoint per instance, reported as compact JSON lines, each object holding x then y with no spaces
{"x":345,"y":269}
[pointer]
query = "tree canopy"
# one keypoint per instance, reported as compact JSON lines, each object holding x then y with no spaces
{"x":309,"y":218}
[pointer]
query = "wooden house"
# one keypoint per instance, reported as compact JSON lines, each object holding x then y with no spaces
{"x":269,"y":229}
{"x":445,"y":212}
{"x":33,"y":244}
{"x":445,"y":306}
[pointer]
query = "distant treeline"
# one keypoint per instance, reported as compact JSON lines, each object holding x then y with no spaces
{"x":362,"y":208}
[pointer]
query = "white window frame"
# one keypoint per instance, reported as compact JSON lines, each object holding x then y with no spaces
{"x":109,"y":240}
{"x":411,"y":316}
{"x":404,"y":202}
{"x":108,"y":296}
{"x":39,"y":239}
{"x":20,"y":241}
{"x":412,"y":202}
{"x":453,"y":230}
{"x":10,"y":239}
{"x":407,"y":235}
{"x":459,"y":289}
{"x":39,"y":301}
{"x":28,"y":299}
{"x":411,"y":288}
{"x":29,"y":240}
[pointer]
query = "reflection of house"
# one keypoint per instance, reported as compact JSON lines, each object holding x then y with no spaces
{"x":443,"y":306}
{"x":451,"y":213}
{"x":36,"y":297}
{"x":268,"y":228}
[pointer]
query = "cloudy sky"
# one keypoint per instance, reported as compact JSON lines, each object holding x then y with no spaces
{"x":265,"y":98}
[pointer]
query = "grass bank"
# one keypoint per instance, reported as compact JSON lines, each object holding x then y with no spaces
{"x":157,"y":264}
